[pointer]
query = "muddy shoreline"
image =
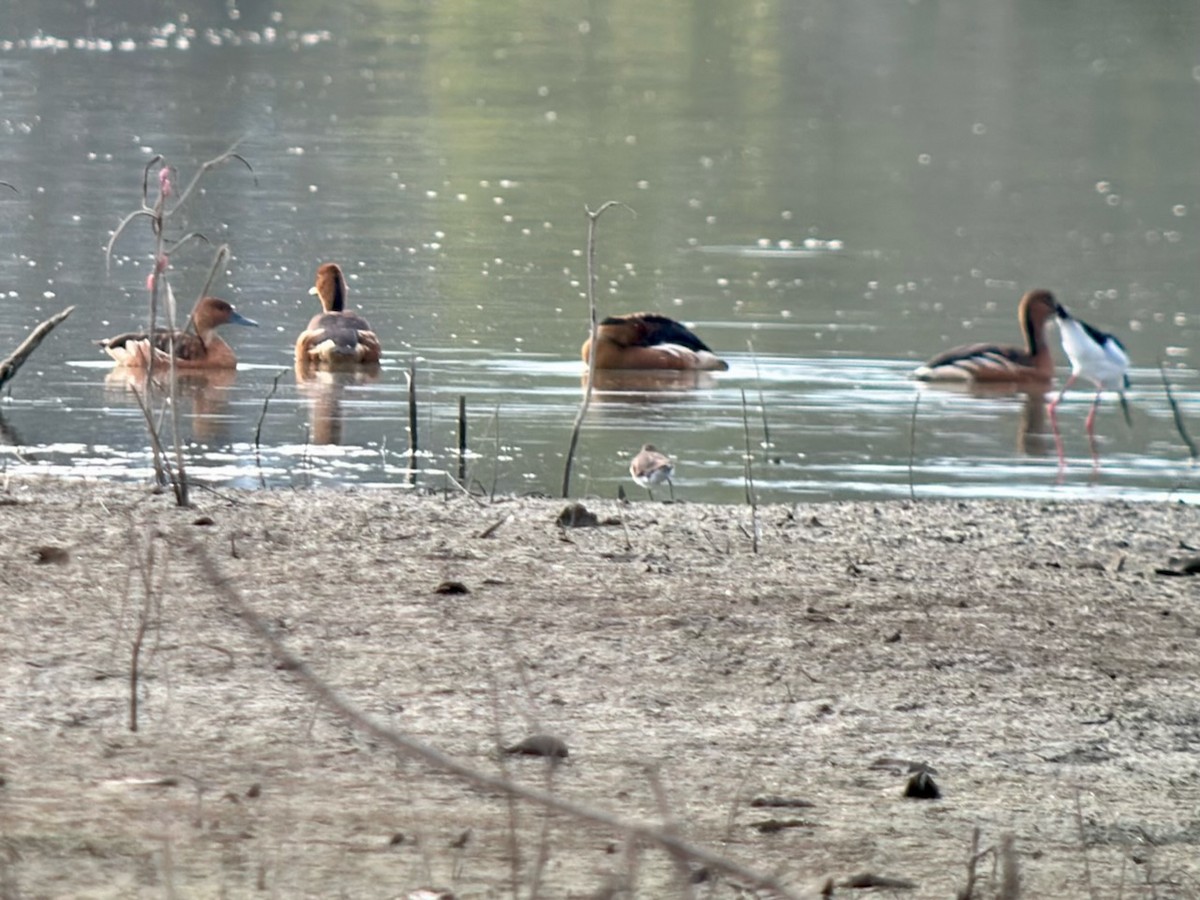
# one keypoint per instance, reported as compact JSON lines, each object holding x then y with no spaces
{"x":1031,"y":653}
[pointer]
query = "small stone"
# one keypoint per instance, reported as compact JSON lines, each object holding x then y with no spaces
{"x":539,"y":745}
{"x":48,"y":554}
{"x":576,"y":515}
{"x":922,"y":787}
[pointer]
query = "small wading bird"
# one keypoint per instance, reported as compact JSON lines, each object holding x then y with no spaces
{"x":198,"y":346}
{"x":649,"y":341}
{"x":651,"y":467}
{"x":995,"y":363}
{"x":1098,"y":357}
{"x":335,"y":337}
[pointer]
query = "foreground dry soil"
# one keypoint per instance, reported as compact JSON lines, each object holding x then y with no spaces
{"x":1029,"y":652}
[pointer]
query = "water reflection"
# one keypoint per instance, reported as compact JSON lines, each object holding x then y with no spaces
{"x":203,"y":395}
{"x":1034,"y":438}
{"x":324,"y":389}
{"x":649,"y":382}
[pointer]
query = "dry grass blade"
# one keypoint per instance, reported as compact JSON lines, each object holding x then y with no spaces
{"x":11,"y":363}
{"x":409,"y":746}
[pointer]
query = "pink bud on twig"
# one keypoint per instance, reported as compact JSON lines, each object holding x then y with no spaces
{"x":164,"y":181}
{"x":160,"y":266}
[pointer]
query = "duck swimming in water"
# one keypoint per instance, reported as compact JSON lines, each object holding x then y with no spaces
{"x":335,"y":337}
{"x":649,"y":341}
{"x":198,"y":346}
{"x":996,"y":363}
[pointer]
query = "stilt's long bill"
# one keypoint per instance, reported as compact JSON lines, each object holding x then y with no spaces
{"x":995,"y":363}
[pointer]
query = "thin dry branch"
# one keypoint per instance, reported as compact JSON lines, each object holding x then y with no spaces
{"x":409,"y":746}
{"x":593,"y":218}
{"x":912,"y":447}
{"x":10,"y":364}
{"x":1177,"y":414}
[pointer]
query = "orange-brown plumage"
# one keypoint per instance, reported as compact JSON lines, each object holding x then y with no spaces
{"x":995,"y":363}
{"x":336,"y":337}
{"x":196,"y":347}
{"x":649,"y":341}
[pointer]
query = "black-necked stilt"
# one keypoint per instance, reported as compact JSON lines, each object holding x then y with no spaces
{"x":651,"y":467}
{"x":1096,"y":356}
{"x":999,"y":363}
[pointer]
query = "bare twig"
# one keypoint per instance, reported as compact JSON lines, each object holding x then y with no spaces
{"x":762,"y":405}
{"x":11,"y":363}
{"x":262,"y":479}
{"x":156,"y":448}
{"x":751,"y":494}
{"x":593,"y":218}
{"x":912,"y":447}
{"x":412,"y":422}
{"x":462,"y":438}
{"x":320,"y":690}
{"x":1177,"y":414}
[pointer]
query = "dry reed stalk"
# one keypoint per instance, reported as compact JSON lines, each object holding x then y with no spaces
{"x":412,"y":421}
{"x":462,"y":438}
{"x":262,"y":479}
{"x":159,"y":215}
{"x":751,"y":497}
{"x":912,"y":447}
{"x":1177,"y":414}
{"x":592,"y":218}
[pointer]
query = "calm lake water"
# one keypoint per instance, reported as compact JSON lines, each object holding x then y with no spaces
{"x":829,"y":192}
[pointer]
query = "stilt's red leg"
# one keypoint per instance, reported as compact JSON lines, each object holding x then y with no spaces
{"x":1090,"y":427}
{"x":1090,"y":424}
{"x":1058,"y":441}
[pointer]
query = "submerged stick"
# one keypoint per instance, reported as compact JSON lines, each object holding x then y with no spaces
{"x":749,"y":475}
{"x":462,"y":438}
{"x":10,"y":364}
{"x":412,"y":422}
{"x":912,"y":447}
{"x":1176,"y":414}
{"x":762,"y":405}
{"x":262,"y":479}
{"x":592,"y":218}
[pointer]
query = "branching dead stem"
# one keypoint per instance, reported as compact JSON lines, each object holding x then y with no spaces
{"x":593,"y":218}
{"x":409,"y":746}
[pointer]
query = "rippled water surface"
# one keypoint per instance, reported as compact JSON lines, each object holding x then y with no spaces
{"x":827,"y":192}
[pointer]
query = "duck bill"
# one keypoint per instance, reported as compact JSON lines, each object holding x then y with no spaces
{"x":236,"y":318}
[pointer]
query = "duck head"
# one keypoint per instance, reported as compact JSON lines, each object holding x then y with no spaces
{"x":330,"y":287}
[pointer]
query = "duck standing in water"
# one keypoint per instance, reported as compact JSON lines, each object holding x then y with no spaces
{"x":998,"y":363}
{"x":335,"y":337}
{"x":649,"y":341}
{"x":198,"y":346}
